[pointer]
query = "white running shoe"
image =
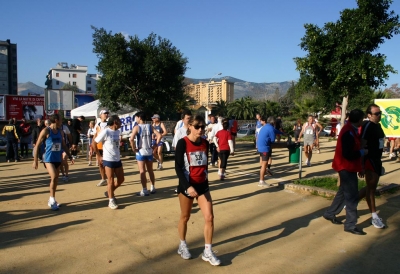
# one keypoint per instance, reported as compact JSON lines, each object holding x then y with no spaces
{"x":153,"y":190}
{"x":102,"y":183}
{"x":90,"y":163}
{"x":262,"y":184}
{"x":183,"y":250}
{"x":112,"y":204}
{"x":54,"y":206}
{"x":377,"y":223}
{"x":143,"y":193}
{"x":392,"y":155}
{"x":211,"y":258}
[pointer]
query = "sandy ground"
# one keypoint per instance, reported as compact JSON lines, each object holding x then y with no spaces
{"x":257,"y":230}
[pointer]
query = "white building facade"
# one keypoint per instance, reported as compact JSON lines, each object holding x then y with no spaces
{"x":74,"y":75}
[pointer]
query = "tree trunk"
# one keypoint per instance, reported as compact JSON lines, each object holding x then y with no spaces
{"x":344,"y":110}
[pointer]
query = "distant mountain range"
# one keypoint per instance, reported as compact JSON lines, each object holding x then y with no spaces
{"x":242,"y":88}
{"x":29,"y":88}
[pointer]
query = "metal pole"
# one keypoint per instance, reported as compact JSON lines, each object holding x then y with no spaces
{"x":300,"y":161}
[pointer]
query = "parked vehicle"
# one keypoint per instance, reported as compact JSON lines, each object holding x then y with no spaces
{"x":246,"y":132}
{"x":328,"y":130}
{"x":3,"y":143}
{"x":247,"y":126}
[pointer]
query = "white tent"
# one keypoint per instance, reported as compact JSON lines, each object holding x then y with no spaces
{"x":88,"y":110}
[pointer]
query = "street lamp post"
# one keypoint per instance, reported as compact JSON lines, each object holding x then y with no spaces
{"x":219,"y":73}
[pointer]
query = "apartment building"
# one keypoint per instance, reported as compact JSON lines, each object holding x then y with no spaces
{"x":74,"y":75}
{"x":8,"y":68}
{"x":206,"y":94}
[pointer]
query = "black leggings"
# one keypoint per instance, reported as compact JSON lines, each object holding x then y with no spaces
{"x":223,"y":156}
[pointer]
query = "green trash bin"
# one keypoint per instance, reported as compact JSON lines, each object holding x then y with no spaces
{"x":294,"y":153}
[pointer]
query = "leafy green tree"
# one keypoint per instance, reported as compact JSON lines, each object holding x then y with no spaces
{"x":71,"y":87}
{"x":146,"y":74}
{"x":243,"y":108}
{"x":342,"y":57}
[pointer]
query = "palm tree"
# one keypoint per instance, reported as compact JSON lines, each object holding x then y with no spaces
{"x":243,"y":108}
{"x":304,"y":108}
{"x":221,"y":108}
{"x":269,"y":108}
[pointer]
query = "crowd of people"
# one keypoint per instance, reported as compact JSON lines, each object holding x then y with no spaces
{"x":199,"y":145}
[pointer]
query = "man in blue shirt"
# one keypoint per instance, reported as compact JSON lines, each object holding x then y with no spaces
{"x":265,"y":138}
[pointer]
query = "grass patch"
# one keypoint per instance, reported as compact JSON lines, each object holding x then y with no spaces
{"x":329,"y":183}
{"x":246,"y":139}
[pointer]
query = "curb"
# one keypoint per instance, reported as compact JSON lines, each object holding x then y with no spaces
{"x":382,"y":189}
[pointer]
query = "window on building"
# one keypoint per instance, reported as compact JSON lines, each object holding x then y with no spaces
{"x":89,"y":82}
{"x":89,"y":89}
{"x":69,"y":75}
{"x":74,"y":75}
{"x":57,"y":82}
{"x":74,"y":83}
{"x":57,"y":74}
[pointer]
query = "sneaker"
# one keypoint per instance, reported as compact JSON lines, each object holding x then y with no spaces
{"x":392,"y":155}
{"x":102,"y":183}
{"x":222,"y":177}
{"x":106,"y":195}
{"x":54,"y":206}
{"x":153,"y":190}
{"x":211,"y":258}
{"x":143,"y":193}
{"x":210,"y":164}
{"x":8,"y":161}
{"x":113,"y":204}
{"x":90,"y":163}
{"x":308,"y":163}
{"x":377,"y":223}
{"x":262,"y":184}
{"x":318,"y":151}
{"x":64,"y":178}
{"x":183,"y":250}
{"x":268,"y":171}
{"x":159,"y":167}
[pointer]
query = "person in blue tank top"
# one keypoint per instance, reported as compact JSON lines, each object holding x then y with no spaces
{"x":53,"y":137}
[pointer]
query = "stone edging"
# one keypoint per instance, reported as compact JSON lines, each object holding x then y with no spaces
{"x":384,"y":188}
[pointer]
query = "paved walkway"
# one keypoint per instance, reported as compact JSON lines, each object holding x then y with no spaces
{"x":257,"y":230}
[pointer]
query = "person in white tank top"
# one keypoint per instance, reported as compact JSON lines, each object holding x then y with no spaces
{"x":144,"y":151}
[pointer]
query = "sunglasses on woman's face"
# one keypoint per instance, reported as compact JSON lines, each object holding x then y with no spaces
{"x":199,"y":126}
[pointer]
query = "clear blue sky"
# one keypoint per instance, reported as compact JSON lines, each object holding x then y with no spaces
{"x":254,"y":40}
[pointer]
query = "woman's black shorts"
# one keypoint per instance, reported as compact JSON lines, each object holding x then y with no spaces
{"x":201,"y":189}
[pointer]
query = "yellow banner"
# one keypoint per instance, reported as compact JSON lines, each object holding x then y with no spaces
{"x":390,"y":119}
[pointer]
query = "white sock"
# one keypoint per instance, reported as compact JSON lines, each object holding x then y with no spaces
{"x":111,"y":199}
{"x":152,"y":187}
{"x":207,"y":248}
{"x":183,"y":242}
{"x":52,"y":200}
{"x":374,"y":215}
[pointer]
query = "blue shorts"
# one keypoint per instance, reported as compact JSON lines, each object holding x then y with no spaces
{"x":144,"y":158}
{"x":112,"y":164}
{"x":160,"y":144}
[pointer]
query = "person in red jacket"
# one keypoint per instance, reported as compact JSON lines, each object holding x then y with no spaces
{"x":347,"y":162}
